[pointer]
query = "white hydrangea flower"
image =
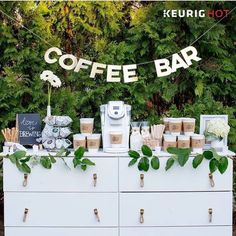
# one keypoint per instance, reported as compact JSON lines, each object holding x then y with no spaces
{"x":218,"y":127}
{"x":45,"y":75}
{"x":55,"y":81}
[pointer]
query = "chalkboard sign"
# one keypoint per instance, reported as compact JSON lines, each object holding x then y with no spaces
{"x":29,"y":126}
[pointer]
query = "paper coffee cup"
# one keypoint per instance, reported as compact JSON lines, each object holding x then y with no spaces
{"x":189,"y":126}
{"x":175,"y":126}
{"x":79,"y":140}
{"x":183,"y":141}
{"x":197,"y":142}
{"x":116,"y":139}
{"x":86,"y":125}
{"x":93,"y":142}
{"x":169,"y":141}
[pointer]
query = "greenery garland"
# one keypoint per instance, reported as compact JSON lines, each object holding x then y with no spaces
{"x":179,"y":156}
{"x":147,"y":160}
{"x":23,"y":162}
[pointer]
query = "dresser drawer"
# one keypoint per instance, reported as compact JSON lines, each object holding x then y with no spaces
{"x":61,"y":209}
{"x":175,"y":179}
{"x":23,"y":231}
{"x":176,"y":209}
{"x":177,"y":231}
{"x":62,"y":179}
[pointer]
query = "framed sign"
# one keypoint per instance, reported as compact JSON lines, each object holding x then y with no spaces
{"x":204,"y":119}
{"x":29,"y":127}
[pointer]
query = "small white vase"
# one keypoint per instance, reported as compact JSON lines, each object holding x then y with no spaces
{"x":217,"y":144}
{"x":49,"y":110}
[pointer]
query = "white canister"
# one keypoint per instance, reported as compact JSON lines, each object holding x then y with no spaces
{"x":197,"y":142}
{"x":175,"y":126}
{"x":183,"y":141}
{"x":169,"y":141}
{"x":136,"y":139}
{"x":188,"y":125}
{"x":6,"y":150}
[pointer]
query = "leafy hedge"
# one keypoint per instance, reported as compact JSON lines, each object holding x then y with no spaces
{"x":117,"y":33}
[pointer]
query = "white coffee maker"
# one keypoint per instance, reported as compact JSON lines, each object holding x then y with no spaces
{"x":115,"y":121}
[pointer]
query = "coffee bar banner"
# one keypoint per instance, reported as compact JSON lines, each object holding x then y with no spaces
{"x":163,"y":66}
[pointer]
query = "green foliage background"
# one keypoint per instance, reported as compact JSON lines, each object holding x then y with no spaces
{"x":117,"y":33}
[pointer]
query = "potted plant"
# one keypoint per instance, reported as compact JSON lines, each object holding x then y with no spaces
{"x":216,"y":131}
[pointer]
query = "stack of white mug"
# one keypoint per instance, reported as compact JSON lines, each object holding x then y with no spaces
{"x":179,"y":132}
{"x":86,"y":138}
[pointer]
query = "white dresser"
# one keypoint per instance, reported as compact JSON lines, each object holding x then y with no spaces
{"x":113,"y":199}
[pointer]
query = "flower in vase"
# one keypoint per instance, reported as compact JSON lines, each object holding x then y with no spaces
{"x":55,"y":81}
{"x":45,"y":75}
{"x":217,"y":129}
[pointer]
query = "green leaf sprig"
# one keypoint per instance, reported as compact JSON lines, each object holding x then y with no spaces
{"x":146,"y":160}
{"x":20,"y":159}
{"x":179,"y":155}
{"x":216,"y":162}
{"x":80,"y":161}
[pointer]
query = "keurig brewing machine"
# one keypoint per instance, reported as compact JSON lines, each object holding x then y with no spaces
{"x":115,"y":121}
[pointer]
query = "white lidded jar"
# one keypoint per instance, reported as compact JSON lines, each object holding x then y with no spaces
{"x":136,"y":139}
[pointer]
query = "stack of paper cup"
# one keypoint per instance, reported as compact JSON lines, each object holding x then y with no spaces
{"x":175,"y":126}
{"x":188,"y":126}
{"x":86,"y":125}
{"x":183,"y":141}
{"x":197,"y":142}
{"x":169,"y":141}
{"x":79,"y":140}
{"x":93,"y":142}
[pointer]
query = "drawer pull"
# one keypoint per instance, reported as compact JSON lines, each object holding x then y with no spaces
{"x":25,"y":182}
{"x":96,"y":214}
{"x":95,"y":177}
{"x":141,"y":218}
{"x":25,"y":214}
{"x":141,"y":180}
{"x":212,"y":182}
{"x":210,"y":211}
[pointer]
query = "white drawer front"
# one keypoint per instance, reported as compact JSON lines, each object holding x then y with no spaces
{"x":176,"y":209}
{"x":61,"y":209}
{"x":62,"y":179}
{"x":175,"y":179}
{"x":35,"y":231}
{"x":177,"y":231}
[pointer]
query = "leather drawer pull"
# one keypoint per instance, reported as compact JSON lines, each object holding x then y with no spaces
{"x":25,"y":182}
{"x":210,"y":211}
{"x":95,"y":177}
{"x":141,"y":218}
{"x":212,"y":182}
{"x":141,"y":180}
{"x":25,"y":214}
{"x":96,"y":214}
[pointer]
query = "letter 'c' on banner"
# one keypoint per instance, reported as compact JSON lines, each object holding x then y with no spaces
{"x":49,"y":51}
